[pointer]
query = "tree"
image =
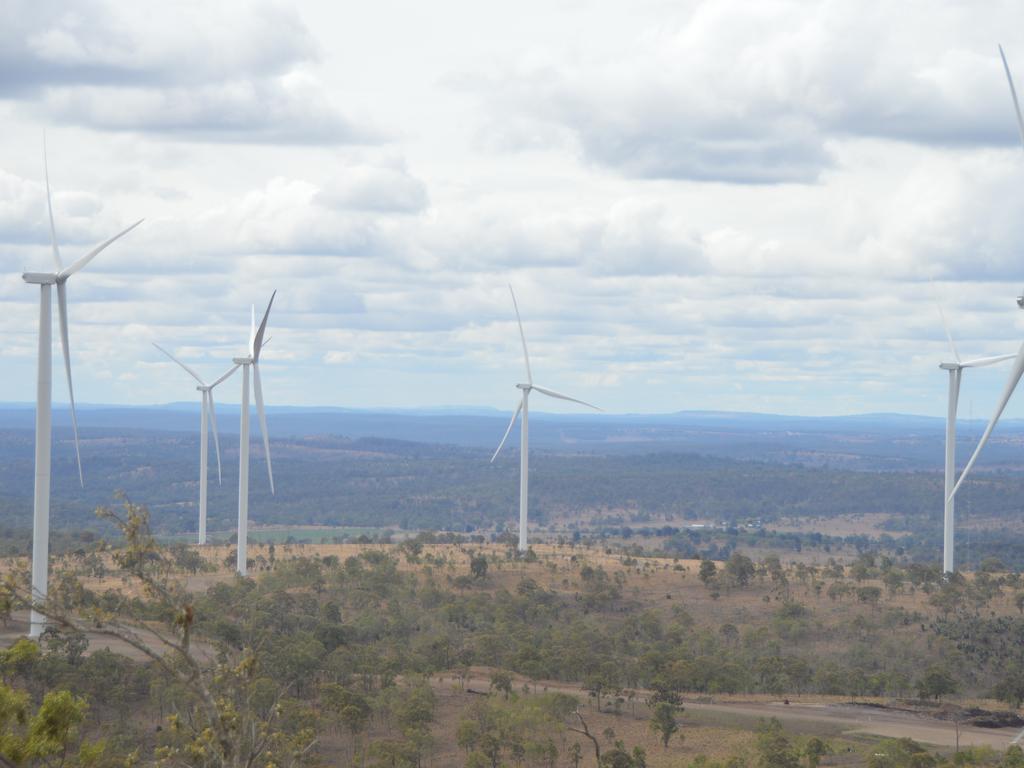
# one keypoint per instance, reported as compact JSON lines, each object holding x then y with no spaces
{"x":869,"y":594}
{"x":478,"y":566}
{"x":814,"y":750}
{"x":935,"y":683}
{"x":70,"y":644}
{"x":739,"y":569}
{"x":227,"y":716}
{"x":46,"y":737}
{"x":664,"y":723}
{"x":773,"y":748}
{"x":708,"y":571}
{"x":502,"y":681}
{"x":1011,"y":687}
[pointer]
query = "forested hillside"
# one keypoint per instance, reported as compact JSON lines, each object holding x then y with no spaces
{"x":336,"y":481}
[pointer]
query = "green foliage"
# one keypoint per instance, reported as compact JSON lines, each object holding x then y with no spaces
{"x":1011,"y":687}
{"x":478,"y":566}
{"x":522,"y":728}
{"x":900,"y":753}
{"x":814,"y":750}
{"x":664,"y":722}
{"x":935,"y":683}
{"x":774,"y":749}
{"x":739,"y":570}
{"x":51,"y":732}
{"x":708,"y":571}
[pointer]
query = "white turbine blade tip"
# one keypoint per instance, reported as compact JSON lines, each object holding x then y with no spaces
{"x":508,"y":430}
{"x":80,"y":263}
{"x":1013,"y":94}
{"x":949,"y":335}
{"x":522,"y":335}
{"x":560,"y":396}
{"x":257,"y":344}
{"x":191,"y":372}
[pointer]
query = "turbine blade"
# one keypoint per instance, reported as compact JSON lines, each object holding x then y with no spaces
{"x":190,"y":372}
{"x":507,"y":431}
{"x":258,"y":390}
{"x":62,"y":311}
{"x":552,"y":393}
{"x":213,"y":423}
{"x":1013,"y":93}
{"x":252,"y":328}
{"x":76,"y":266}
{"x":945,"y":325}
{"x":49,"y":208}
{"x":526,"y":355}
{"x":981,"y":362}
{"x":258,"y":339}
{"x":225,"y":376}
{"x":1011,"y":385}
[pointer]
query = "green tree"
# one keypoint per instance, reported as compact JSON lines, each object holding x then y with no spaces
{"x":774,"y":749}
{"x":739,"y":569}
{"x":225,"y":715}
{"x":478,"y":566}
{"x":502,"y":681}
{"x":1011,"y":687}
{"x":708,"y":571}
{"x":47,"y":737}
{"x":814,"y":750}
{"x":664,"y":723}
{"x":935,"y":683}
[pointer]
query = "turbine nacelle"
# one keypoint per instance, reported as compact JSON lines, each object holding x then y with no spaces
{"x":40,"y":278}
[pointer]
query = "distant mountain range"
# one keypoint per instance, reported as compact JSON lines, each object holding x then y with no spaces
{"x":872,"y":442}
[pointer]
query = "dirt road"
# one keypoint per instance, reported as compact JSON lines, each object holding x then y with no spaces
{"x":876,"y":721}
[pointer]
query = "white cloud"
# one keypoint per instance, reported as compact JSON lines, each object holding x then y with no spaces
{"x":752,"y":93}
{"x":236,"y":71}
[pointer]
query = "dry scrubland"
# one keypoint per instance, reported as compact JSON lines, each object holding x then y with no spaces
{"x":719,"y":725}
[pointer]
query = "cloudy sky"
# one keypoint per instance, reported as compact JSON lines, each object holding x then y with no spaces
{"x":701,"y":205}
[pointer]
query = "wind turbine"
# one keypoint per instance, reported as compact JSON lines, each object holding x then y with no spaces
{"x":44,"y":399}
{"x":208,"y":412}
{"x":955,"y":373}
{"x":1018,"y":363}
{"x":256,"y":344}
{"x":524,"y":438}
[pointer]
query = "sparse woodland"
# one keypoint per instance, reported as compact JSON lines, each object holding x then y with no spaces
{"x":425,"y":653}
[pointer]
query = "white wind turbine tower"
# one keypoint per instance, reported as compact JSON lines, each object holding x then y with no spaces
{"x":524,"y":444}
{"x":1018,"y":363}
{"x":955,"y":373}
{"x":44,"y":399}
{"x":255,"y":346}
{"x":208,"y":414}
